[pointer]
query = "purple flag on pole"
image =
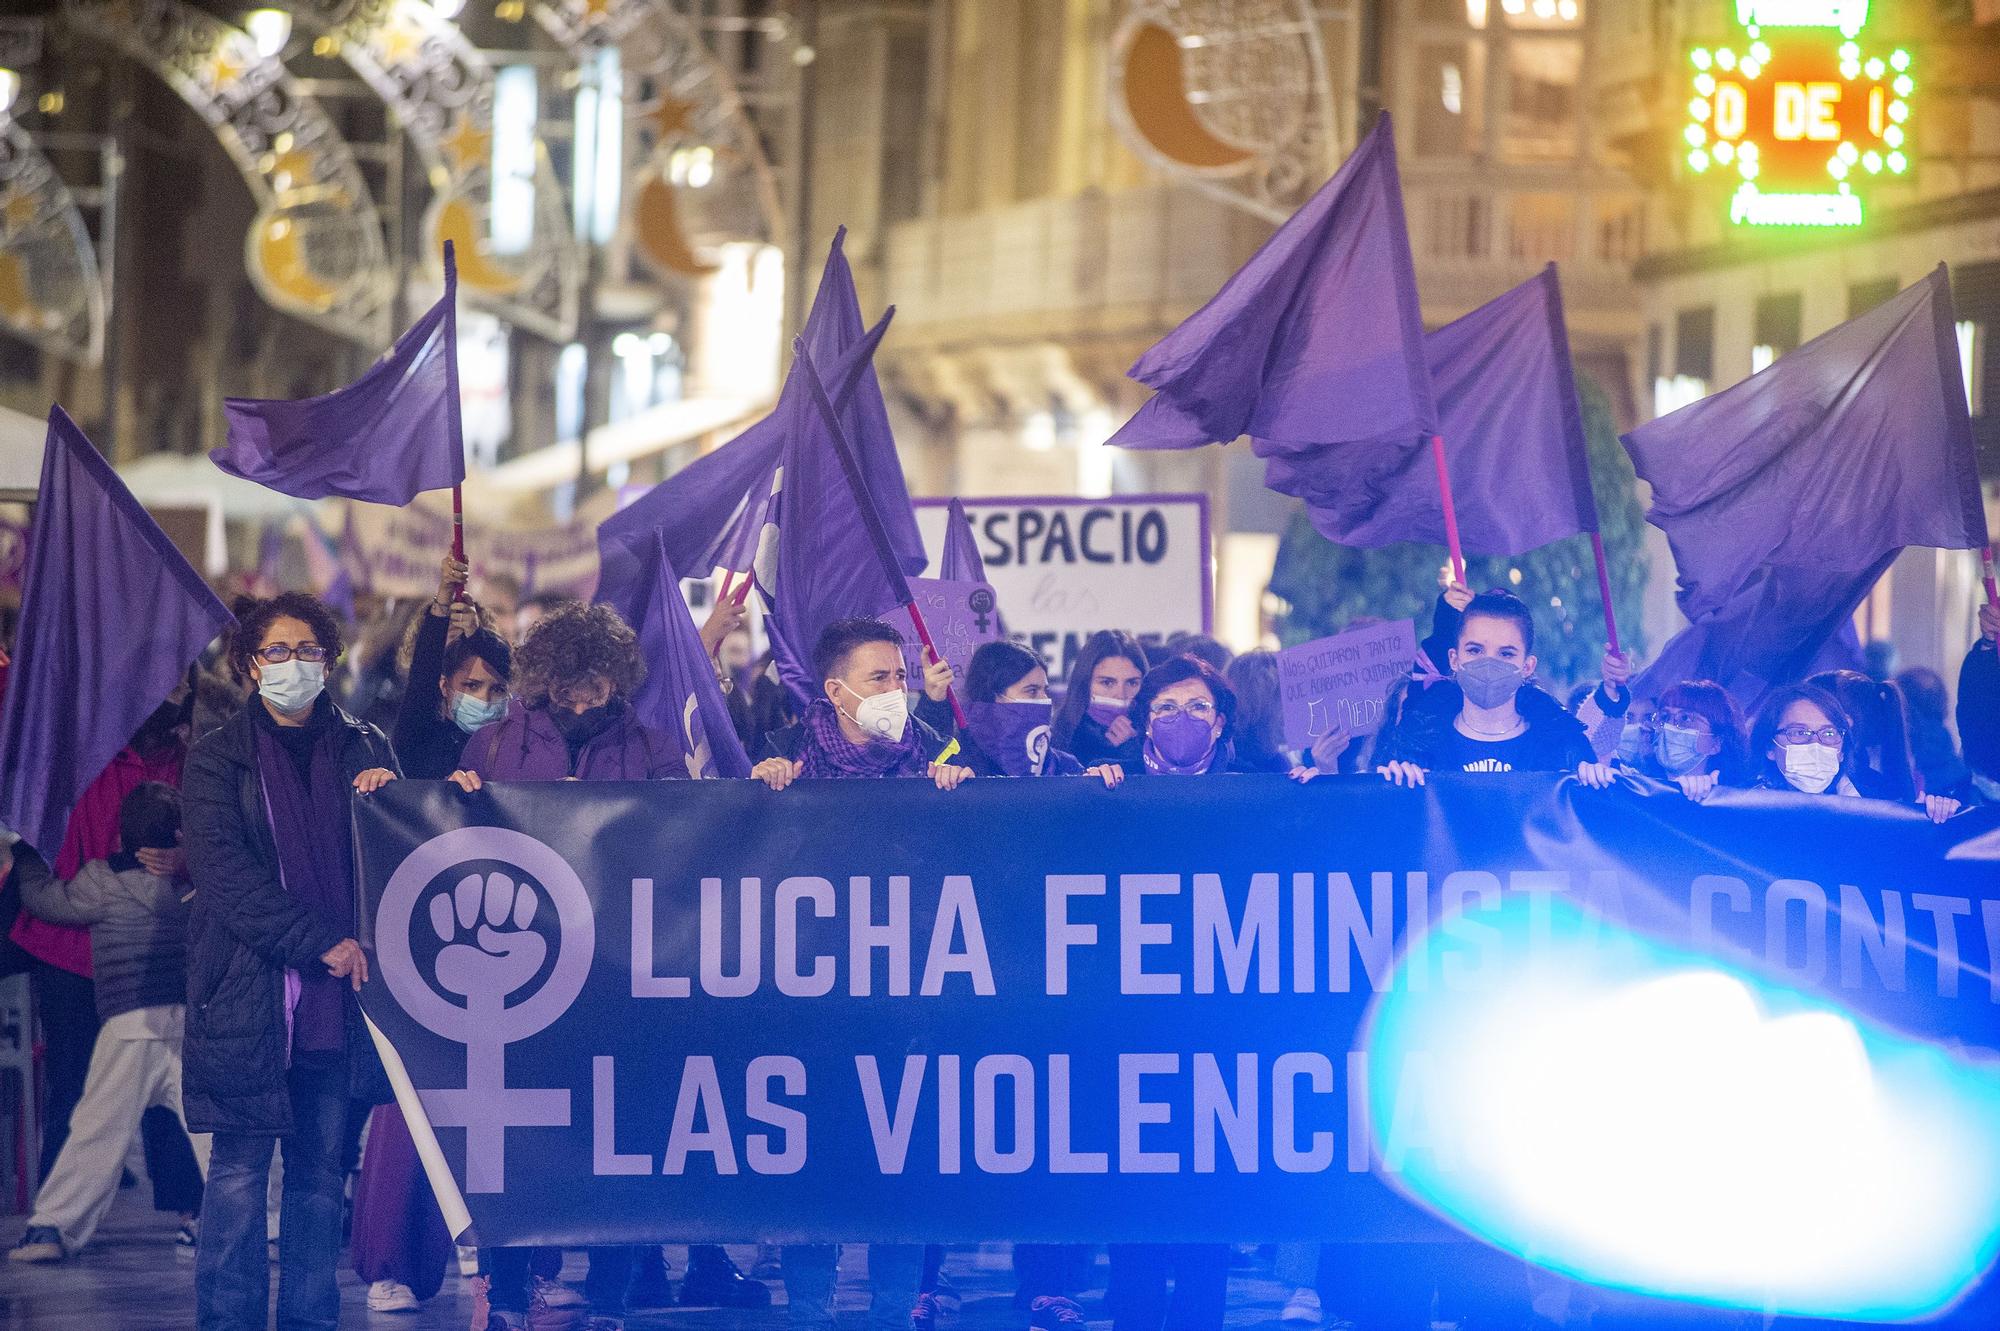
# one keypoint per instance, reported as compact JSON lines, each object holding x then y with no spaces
{"x":1786,"y":496}
{"x":713,"y":511}
{"x":1316,"y":340}
{"x":827,"y":554}
{"x":680,"y":695}
{"x":960,"y":561}
{"x":111,"y":615}
{"x":386,"y":437}
{"x":1513,"y":435}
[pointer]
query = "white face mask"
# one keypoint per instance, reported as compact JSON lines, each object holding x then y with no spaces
{"x":884,"y":717}
{"x":1811,"y":767}
{"x":291,"y":686}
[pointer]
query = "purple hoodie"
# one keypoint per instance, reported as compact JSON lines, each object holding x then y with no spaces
{"x":525,"y":745}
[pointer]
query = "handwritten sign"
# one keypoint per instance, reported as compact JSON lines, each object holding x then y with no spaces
{"x":1066,"y":567}
{"x":1342,"y":680}
{"x":960,"y":615}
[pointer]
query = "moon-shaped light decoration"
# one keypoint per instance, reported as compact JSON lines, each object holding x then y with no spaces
{"x":50,"y":293}
{"x":315,"y":249}
{"x":1230,"y":95}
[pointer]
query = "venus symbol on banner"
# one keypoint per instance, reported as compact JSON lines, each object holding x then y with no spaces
{"x":490,"y":883}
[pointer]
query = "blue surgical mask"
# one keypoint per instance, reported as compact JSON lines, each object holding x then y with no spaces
{"x":291,"y":686}
{"x":470,"y":713}
{"x":1679,"y":750}
{"x":1631,"y":743}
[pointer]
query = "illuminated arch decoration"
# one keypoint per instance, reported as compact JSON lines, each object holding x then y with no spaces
{"x":706,"y":180}
{"x":441,"y":88}
{"x":1800,"y":113}
{"x":50,"y":292}
{"x":1231,"y":95}
{"x":315,"y":249}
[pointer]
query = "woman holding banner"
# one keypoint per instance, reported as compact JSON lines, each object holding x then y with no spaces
{"x":1490,"y":717}
{"x":1008,"y":713}
{"x":1184,"y":711}
{"x":275,"y":1046}
{"x":1092,"y":722}
{"x":1803,"y":741}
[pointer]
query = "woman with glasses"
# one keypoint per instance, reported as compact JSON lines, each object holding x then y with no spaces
{"x":1008,"y":714}
{"x":1804,"y":740}
{"x":1093,"y":721}
{"x":274,"y":1045}
{"x":1695,"y":740}
{"x":1183,"y":711}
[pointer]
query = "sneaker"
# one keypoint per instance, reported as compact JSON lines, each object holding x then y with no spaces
{"x":468,"y":1261}
{"x":1053,"y":1312}
{"x":43,"y":1243}
{"x":924,"y":1316}
{"x":1303,"y":1310}
{"x":947,"y":1298}
{"x":188,"y":1235}
{"x":716,"y":1283}
{"x":651,"y":1287}
{"x":553,"y":1306}
{"x":768,"y":1265}
{"x":390,"y":1296}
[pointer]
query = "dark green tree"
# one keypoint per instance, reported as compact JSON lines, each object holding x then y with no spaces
{"x":1323,"y":585}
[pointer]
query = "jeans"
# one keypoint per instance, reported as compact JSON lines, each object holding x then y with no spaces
{"x":232,"y":1275}
{"x":1137,"y":1294}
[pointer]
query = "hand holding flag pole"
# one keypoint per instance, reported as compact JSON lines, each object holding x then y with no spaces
{"x":871,"y":519}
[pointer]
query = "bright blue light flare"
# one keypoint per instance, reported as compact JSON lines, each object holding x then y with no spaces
{"x":1650,"y":1119}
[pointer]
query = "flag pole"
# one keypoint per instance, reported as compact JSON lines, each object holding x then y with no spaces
{"x":1604,"y":591}
{"x":453,"y":408}
{"x":871,"y":519}
{"x":1450,"y":513}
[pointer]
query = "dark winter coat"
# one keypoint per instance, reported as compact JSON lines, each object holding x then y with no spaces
{"x":137,"y":923}
{"x":1555,"y":740}
{"x":1979,"y":709}
{"x":246,"y":931}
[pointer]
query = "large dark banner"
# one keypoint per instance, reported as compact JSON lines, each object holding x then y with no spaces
{"x":1744,"y":1052}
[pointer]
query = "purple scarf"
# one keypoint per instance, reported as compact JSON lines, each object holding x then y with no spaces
{"x":315,"y":863}
{"x":827,"y":752}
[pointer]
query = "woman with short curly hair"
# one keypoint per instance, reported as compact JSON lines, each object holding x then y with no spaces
{"x":571,"y":715}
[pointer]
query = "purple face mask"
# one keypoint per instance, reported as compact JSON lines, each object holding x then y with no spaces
{"x":1179,"y":745}
{"x":1105,"y":710}
{"x":1015,"y":734}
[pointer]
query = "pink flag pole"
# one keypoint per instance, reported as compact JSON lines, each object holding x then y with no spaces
{"x":924,"y":635}
{"x":1604,"y":590}
{"x":728,"y":578}
{"x":458,"y":534}
{"x":1450,"y":513}
{"x":1986,"y":569}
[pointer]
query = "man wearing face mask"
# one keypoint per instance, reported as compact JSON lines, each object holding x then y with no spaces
{"x":861,"y":725}
{"x":1490,"y":717}
{"x":274,"y":1046}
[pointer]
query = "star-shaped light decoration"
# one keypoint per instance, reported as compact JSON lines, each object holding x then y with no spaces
{"x":467,"y":145}
{"x":397,"y":40}
{"x":223,"y":68}
{"x":673,"y":116}
{"x":596,"y":11}
{"x":18,"y":210}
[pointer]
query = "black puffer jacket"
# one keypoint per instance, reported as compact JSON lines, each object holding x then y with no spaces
{"x":1557,"y":741}
{"x":1979,"y":709}
{"x":246,"y":931}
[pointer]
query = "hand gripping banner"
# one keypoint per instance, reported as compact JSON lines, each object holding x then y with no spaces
{"x":1742,"y":1053}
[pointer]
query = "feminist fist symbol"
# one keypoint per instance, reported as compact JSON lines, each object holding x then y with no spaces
{"x":507,"y":953}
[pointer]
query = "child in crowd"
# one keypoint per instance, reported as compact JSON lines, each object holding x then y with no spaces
{"x":138,"y":927}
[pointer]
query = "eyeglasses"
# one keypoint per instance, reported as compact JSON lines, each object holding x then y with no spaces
{"x":1792,"y":736}
{"x":1199,"y":710}
{"x":278,"y":653}
{"x":1684,"y":721}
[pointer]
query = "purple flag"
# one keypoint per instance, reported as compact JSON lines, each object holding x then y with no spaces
{"x":1316,"y":340}
{"x":111,"y":615}
{"x":960,"y":561}
{"x":713,"y":511}
{"x":389,"y":435}
{"x":827,"y":555}
{"x":680,"y":695}
{"x":1513,"y":435}
{"x":1786,"y":496}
